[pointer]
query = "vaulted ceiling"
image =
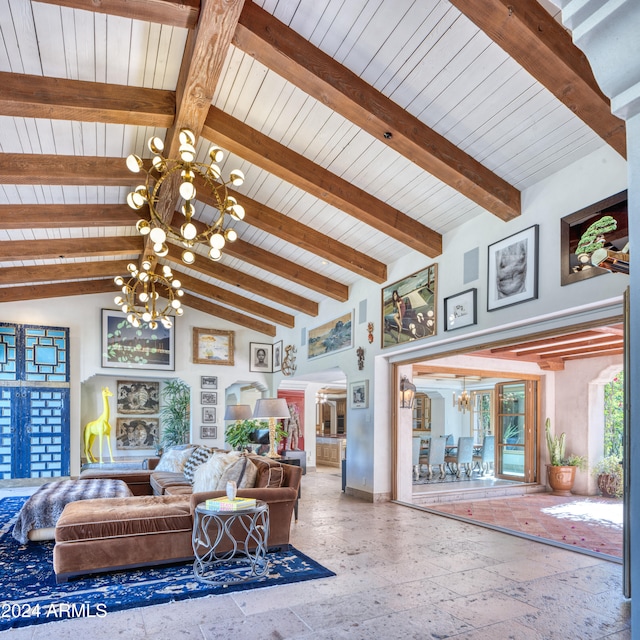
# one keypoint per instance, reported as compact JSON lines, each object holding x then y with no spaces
{"x":366,"y":130}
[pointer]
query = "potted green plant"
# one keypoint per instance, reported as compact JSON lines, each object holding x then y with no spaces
{"x":561,"y":472}
{"x":609,"y":476}
{"x":175,"y":413}
{"x":239,"y":434}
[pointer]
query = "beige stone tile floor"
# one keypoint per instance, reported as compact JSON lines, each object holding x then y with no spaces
{"x":401,"y":573}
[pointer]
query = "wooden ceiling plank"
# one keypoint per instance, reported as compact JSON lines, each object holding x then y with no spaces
{"x":176,"y":13}
{"x":27,"y":96}
{"x":72,"y":271}
{"x":62,"y":216}
{"x":68,"y":248}
{"x":587,"y":346}
{"x":533,"y":345}
{"x":599,"y":353}
{"x":40,"y":291}
{"x":301,"y":172}
{"x":245,"y":282}
{"x":531,"y":36}
{"x":287,"y":269}
{"x":228,"y":314}
{"x":235,"y":300}
{"x":291,"y":56}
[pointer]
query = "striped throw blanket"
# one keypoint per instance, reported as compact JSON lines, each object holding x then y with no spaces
{"x":45,"y":506}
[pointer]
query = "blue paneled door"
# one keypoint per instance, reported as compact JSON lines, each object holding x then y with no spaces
{"x":34,"y":401}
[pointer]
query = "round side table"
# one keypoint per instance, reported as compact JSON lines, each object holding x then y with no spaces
{"x":230,"y":546}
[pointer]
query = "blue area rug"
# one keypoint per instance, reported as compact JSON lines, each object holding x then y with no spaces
{"x":30,"y":594}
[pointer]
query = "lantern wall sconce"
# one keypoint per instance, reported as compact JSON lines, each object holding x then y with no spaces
{"x":407,"y":393}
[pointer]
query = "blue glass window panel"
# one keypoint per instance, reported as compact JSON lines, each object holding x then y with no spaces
{"x":46,"y":355}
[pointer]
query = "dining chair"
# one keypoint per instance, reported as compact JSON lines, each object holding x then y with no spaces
{"x":463,"y":456}
{"x":415,"y":457}
{"x":483,"y":461}
{"x":435,"y":456}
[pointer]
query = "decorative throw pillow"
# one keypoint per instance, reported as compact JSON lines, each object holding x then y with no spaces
{"x":207,"y":475}
{"x":270,"y":473}
{"x":174,"y":460}
{"x":198,"y":456}
{"x":243,"y":473}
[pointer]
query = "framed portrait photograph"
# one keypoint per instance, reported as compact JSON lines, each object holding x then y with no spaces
{"x":127,"y":347}
{"x":512,"y":273}
{"x":359,"y":395}
{"x":212,"y":346}
{"x":208,"y":397}
{"x":330,"y":337}
{"x":277,"y":356}
{"x":409,"y":308}
{"x":137,"y":433}
{"x":138,"y":397}
{"x":461,"y":310}
{"x":209,"y":415}
{"x":208,"y":432}
{"x":208,"y":382}
{"x":260,"y":357}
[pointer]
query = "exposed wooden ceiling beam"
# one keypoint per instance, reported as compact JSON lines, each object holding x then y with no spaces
{"x":595,"y":352}
{"x":228,"y":314}
{"x":177,"y":13}
{"x":40,"y":291}
{"x":542,"y":46}
{"x":290,"y":230}
{"x":11,"y":250}
{"x":587,"y":346}
{"x":63,"y":216}
{"x":27,"y":96}
{"x":287,"y":269}
{"x":288,"y":54}
{"x":243,"y":303}
{"x":245,"y":282}
{"x":285,"y":163}
{"x":537,"y":345}
{"x":556,"y":364}
{"x":71,"y":271}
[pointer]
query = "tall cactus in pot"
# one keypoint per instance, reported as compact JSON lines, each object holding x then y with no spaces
{"x":556,"y":445}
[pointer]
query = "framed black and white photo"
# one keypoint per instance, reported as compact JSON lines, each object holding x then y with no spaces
{"x":260,"y":357}
{"x":359,"y":395}
{"x":460,"y":310}
{"x":137,"y":433}
{"x":208,"y":432}
{"x":512,"y":273}
{"x":208,"y":382}
{"x":208,"y":397}
{"x":138,"y":397}
{"x":277,"y":356}
{"x":209,"y":415}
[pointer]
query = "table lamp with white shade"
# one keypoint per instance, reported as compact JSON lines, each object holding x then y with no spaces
{"x":238,"y":412}
{"x":273,"y":409}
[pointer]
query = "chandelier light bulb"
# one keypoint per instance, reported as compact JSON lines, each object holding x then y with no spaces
{"x":176,"y":304}
{"x":162,"y":251}
{"x":119,"y":300}
{"x":180,"y":293}
{"x":187,"y":153}
{"x":188,"y":231}
{"x":143,"y":276}
{"x":237,"y":177}
{"x":237,"y":212}
{"x":216,"y":154}
{"x":135,"y":200}
{"x":144,"y":297}
{"x":153,"y":325}
{"x":217,"y":241}
{"x":125,"y":308}
{"x":215,"y":254}
{"x":146,"y":316}
{"x":188,"y":257}
{"x":186,"y":136}
{"x":143,"y":227}
{"x":166,"y":271}
{"x":215,"y":171}
{"x":230,"y":235}
{"x":187,"y":190}
{"x":131,"y":267}
{"x":176,"y":284}
{"x":156,"y":145}
{"x":166,"y":322}
{"x":119,"y":280}
{"x":146,"y":265}
{"x":157,"y":235}
{"x":134,"y":163}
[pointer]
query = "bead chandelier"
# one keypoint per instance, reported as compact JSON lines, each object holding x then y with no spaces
{"x":142,"y":293}
{"x":215,"y":235}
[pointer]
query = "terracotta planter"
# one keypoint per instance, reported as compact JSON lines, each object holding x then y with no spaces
{"x":561,"y":479}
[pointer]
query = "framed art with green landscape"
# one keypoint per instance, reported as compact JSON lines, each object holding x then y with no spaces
{"x":330,"y":337}
{"x":128,"y":347}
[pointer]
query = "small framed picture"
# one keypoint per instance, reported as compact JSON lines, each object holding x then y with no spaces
{"x":208,"y":397}
{"x":208,"y":382}
{"x":460,"y":310}
{"x":209,"y":415}
{"x":512,"y":274}
{"x":208,"y":432}
{"x":277,"y":356}
{"x":260,"y":357}
{"x":359,"y":395}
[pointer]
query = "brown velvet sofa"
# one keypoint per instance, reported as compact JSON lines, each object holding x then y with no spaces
{"x":107,"y":534}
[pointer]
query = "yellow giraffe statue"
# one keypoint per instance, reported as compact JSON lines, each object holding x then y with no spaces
{"x":99,"y":427}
